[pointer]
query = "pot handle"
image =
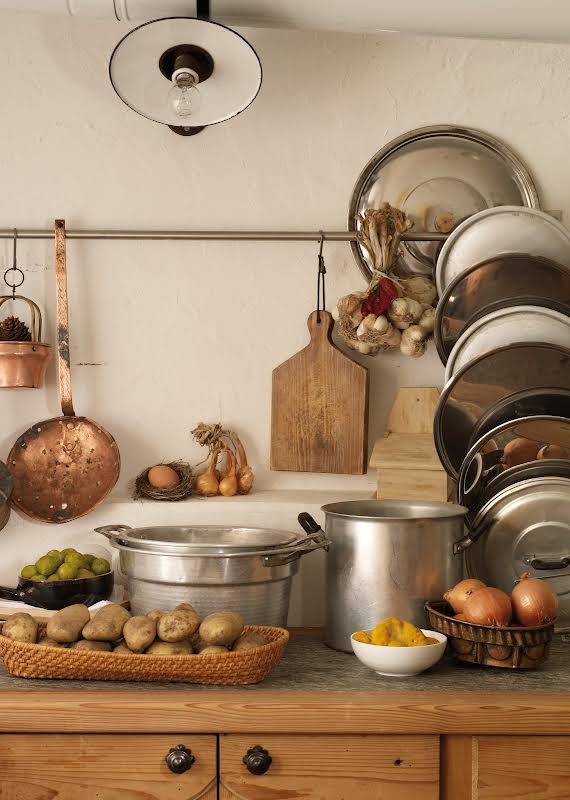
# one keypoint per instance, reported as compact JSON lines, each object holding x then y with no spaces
{"x":19,"y":596}
{"x":316,"y":540}
{"x":113,"y":533}
{"x":462,"y":545}
{"x":547,"y":562}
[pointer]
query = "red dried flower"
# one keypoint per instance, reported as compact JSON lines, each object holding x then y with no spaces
{"x":380,"y":298}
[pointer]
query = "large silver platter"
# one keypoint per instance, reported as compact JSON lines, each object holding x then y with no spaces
{"x":529,"y":523}
{"x":486,"y":383}
{"x":505,"y":326}
{"x":499,"y":282}
{"x":439,"y":175}
{"x":497,"y":231}
{"x":482,"y":464}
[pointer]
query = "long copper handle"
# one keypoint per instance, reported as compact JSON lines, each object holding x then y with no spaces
{"x":62,"y":320}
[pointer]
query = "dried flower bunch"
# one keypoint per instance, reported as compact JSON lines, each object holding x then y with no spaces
{"x":236,"y":477}
{"x":393,"y":311}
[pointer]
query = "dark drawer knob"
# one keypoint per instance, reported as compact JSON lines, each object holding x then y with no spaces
{"x":257,"y":760}
{"x":180,"y":759}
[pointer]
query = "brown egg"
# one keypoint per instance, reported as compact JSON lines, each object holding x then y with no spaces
{"x":162,"y":477}
{"x":552,"y":451}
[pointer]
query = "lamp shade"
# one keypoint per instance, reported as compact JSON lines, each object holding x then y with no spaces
{"x":139,"y":78}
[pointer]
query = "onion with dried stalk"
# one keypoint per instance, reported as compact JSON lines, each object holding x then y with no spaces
{"x":245,"y":472}
{"x":229,"y":485}
{"x":207,"y":483}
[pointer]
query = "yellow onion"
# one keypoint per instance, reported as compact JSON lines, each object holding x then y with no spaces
{"x":207,"y":483}
{"x":534,"y":602}
{"x":457,"y":596}
{"x":245,"y":472}
{"x":488,"y":606}
{"x":229,"y":484}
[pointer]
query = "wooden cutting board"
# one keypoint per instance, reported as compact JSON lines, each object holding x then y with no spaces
{"x":319,"y":411}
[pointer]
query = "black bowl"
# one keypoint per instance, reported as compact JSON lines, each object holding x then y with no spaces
{"x":55,"y":595}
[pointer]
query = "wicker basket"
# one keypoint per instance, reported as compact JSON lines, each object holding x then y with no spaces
{"x":225,"y":669}
{"x":514,"y":648}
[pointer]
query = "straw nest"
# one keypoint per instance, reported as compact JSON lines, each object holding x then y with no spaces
{"x":142,"y":488}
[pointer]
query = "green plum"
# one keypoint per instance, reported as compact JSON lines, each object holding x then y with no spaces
{"x":76,"y":560}
{"x":100,"y":566}
{"x":54,"y":577}
{"x":46,"y":565}
{"x":90,"y":558}
{"x":55,"y":554}
{"x":29,"y":571}
{"x":37,"y":578}
{"x":66,"y":552}
{"x":85,"y":573}
{"x":67,"y":572}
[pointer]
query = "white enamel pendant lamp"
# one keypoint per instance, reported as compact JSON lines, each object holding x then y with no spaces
{"x":185,"y":73}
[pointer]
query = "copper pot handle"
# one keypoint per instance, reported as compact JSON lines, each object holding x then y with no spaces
{"x":35,"y":314}
{"x":62,"y":320}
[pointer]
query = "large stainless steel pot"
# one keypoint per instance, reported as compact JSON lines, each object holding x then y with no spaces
{"x":214,"y":568}
{"x":387,"y":558}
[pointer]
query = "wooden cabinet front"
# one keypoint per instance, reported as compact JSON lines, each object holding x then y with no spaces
{"x":505,"y":768}
{"x":332,"y":767}
{"x":104,"y":767}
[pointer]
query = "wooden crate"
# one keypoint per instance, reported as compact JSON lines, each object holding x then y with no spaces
{"x":405,"y":458}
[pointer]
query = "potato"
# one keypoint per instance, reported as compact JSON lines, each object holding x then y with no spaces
{"x":222,"y":627}
{"x":247,"y":641}
{"x":170,"y":649}
{"x":107,"y":624}
{"x":66,"y":625}
{"x":83,"y":644}
{"x":156,"y":614}
{"x":177,"y":625}
{"x":21,"y":627}
{"x":139,"y":633}
{"x":121,"y":649}
{"x":45,"y":641}
{"x":213,"y":648}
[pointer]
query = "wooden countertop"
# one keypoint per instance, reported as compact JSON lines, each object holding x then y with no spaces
{"x":314,"y":689}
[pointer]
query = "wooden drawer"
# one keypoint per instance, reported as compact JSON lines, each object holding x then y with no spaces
{"x":332,"y":768}
{"x":513,"y":767}
{"x":103,"y":767}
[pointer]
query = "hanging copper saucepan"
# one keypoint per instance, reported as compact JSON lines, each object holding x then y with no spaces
{"x":63,"y":467}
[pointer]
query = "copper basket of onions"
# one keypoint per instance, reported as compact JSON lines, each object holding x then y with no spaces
{"x":486,"y":626}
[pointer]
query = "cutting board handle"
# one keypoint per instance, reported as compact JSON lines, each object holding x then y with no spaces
{"x":320,"y":331}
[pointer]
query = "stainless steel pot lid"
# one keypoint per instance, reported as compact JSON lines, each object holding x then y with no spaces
{"x":438,"y":175}
{"x":200,"y":539}
{"x":528,"y":531}
{"x":504,"y":327}
{"x":497,"y":231}
{"x":489,"y":381}
{"x":485,"y":460}
{"x":393,"y":509}
{"x":546,"y":468}
{"x":496,"y":283}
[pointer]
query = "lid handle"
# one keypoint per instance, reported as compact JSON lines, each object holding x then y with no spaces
{"x":547,"y":562}
{"x":113,"y":533}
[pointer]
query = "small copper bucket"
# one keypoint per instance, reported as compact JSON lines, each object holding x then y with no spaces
{"x":23,"y":364}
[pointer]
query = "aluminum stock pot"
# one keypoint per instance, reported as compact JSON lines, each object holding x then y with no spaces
{"x":387,"y":559}
{"x":214,"y":568}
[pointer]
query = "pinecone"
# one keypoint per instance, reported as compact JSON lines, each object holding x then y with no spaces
{"x":13,"y":329}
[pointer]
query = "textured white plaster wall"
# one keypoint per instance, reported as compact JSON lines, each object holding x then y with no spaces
{"x":184,"y":332}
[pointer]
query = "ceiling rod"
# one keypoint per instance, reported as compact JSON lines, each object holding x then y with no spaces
{"x":252,"y":236}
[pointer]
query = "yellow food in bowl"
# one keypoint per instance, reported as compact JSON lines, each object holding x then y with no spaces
{"x":394,"y":632}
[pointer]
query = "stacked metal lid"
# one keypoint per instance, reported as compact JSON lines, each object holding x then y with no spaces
{"x":502,"y":426}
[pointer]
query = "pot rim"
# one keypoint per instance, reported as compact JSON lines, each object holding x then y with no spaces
{"x":430,"y":510}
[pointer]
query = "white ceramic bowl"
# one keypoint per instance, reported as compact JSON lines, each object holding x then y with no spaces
{"x":400,"y":662}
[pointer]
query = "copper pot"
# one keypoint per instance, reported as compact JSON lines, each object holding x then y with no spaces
{"x":23,"y":364}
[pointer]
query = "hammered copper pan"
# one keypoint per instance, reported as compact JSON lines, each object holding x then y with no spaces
{"x":63,"y":467}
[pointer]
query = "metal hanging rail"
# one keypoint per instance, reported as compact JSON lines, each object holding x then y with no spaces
{"x":222,"y":236}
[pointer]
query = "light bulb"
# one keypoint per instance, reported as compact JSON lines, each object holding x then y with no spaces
{"x":184,"y":96}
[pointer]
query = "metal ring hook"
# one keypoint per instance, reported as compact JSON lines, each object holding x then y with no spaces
{"x":14,"y":268}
